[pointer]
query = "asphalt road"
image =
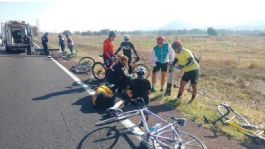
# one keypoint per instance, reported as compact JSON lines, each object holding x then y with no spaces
{"x":41,"y":107}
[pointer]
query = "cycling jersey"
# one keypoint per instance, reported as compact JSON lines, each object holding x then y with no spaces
{"x":103,"y":98}
{"x":117,"y":75}
{"x":140,"y":88}
{"x":69,"y":41}
{"x":186,"y":57}
{"x":44,"y":39}
{"x":108,"y":49}
{"x":127,"y":48}
{"x":61,"y":43}
{"x":162,"y":54}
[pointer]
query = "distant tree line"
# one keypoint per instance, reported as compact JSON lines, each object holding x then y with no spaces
{"x":209,"y":31}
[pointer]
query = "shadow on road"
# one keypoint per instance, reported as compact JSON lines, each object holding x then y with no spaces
{"x":247,"y":144}
{"x":250,"y":145}
{"x":112,"y":133}
{"x":161,"y":108}
{"x":215,"y":133}
{"x":87,"y":107}
{"x":93,"y":84}
{"x":64,"y":92}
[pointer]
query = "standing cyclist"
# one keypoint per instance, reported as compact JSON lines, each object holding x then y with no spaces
{"x":28,"y":42}
{"x":161,"y":56}
{"x":61,"y":43}
{"x":127,"y":48}
{"x":44,"y":41}
{"x":186,"y":61}
{"x":70,"y":43}
{"x":108,"y":49}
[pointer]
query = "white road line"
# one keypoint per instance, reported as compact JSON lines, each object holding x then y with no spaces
{"x":126,"y":123}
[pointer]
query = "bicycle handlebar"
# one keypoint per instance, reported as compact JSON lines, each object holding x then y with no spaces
{"x":138,"y":100}
{"x":228,"y":110}
{"x":179,"y":121}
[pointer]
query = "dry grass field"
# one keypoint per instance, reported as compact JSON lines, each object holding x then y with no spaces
{"x":232,"y":71}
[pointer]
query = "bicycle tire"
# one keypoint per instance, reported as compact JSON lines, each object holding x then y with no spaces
{"x":239,"y":118}
{"x":97,"y":72}
{"x":86,"y":59}
{"x":260,"y":140}
{"x":121,"y":116}
{"x":147,"y":70}
{"x":185,"y":141}
{"x":58,"y":55}
{"x":68,"y":56}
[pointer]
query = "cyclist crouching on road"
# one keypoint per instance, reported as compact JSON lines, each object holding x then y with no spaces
{"x":161,"y":56}
{"x":139,"y":87}
{"x":186,"y":61}
{"x":127,"y":48}
{"x":118,"y":74}
{"x":106,"y":97}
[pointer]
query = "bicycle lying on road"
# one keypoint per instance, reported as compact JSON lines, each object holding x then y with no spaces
{"x":239,"y":122}
{"x":84,"y":65}
{"x":99,"y":69}
{"x":166,"y":136}
{"x":64,"y":55}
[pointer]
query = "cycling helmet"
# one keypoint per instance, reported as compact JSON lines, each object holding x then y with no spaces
{"x":112,"y":34}
{"x":126,"y":37}
{"x":160,"y":39}
{"x":176,"y":44}
{"x":140,"y":71}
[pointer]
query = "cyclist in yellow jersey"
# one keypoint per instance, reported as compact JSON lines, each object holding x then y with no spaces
{"x":186,"y":61}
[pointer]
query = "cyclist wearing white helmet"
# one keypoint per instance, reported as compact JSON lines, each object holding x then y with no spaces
{"x":127,"y":48}
{"x":139,"y":87}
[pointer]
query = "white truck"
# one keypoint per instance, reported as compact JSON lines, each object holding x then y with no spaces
{"x":14,"y":34}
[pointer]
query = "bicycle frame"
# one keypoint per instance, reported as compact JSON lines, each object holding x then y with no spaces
{"x":233,"y":122}
{"x":156,"y":133}
{"x":167,"y":136}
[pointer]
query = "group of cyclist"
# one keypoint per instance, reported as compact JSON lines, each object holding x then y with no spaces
{"x":164,"y":56}
{"x":69,"y":42}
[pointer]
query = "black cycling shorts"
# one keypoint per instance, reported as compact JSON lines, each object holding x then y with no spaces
{"x":160,"y":66}
{"x":104,"y":101}
{"x":192,"y":76}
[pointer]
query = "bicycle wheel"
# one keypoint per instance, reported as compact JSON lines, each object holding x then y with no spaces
{"x":121,"y":116}
{"x":99,"y":71}
{"x":147,"y":71}
{"x":68,"y":56}
{"x":88,"y":60}
{"x":242,"y":121}
{"x":171,"y":140}
{"x":58,"y":55}
{"x":65,"y":57}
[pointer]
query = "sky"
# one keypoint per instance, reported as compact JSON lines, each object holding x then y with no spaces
{"x":74,"y":15}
